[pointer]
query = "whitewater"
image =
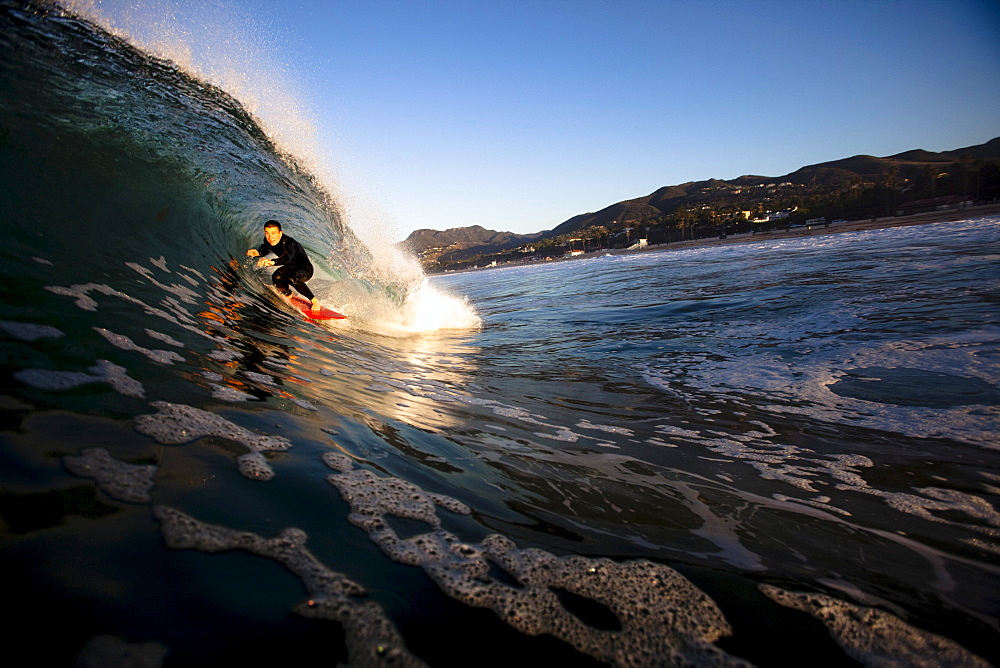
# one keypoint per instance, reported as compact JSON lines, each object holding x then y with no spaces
{"x":773,"y":453}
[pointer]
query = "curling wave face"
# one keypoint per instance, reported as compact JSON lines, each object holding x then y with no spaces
{"x":122,"y":155}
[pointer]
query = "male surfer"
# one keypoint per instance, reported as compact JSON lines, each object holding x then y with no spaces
{"x":295,"y":269}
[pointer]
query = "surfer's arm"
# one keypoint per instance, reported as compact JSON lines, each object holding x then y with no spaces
{"x":292,"y":252}
{"x":261,"y":262}
{"x":261,"y":251}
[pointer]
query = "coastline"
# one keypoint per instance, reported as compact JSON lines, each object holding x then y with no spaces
{"x":793,"y":233}
{"x":818,"y":230}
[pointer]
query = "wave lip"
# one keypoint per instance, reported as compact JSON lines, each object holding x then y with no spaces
{"x":116,"y":153}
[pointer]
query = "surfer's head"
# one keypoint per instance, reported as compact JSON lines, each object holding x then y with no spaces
{"x":272,"y":232}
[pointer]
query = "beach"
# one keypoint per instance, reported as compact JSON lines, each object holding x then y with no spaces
{"x":885,"y":222}
{"x":835,"y":228}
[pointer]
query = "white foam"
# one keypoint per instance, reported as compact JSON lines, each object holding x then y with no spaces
{"x":372,"y":639}
{"x":801,"y":383}
{"x":874,"y":637}
{"x":301,"y":403}
{"x":262,"y":378}
{"x":124,"y":343}
{"x":562,"y":434}
{"x":664,"y":619}
{"x":193,"y":271}
{"x":47,"y":379}
{"x":102,"y":372}
{"x":611,"y":429}
{"x":424,"y":309}
{"x":166,"y":338}
{"x":120,"y":480}
{"x":929,"y":500}
{"x":27,"y":331}
{"x":227,"y":393}
{"x":225,"y":355}
{"x":185,"y":294}
{"x":428,"y":309}
{"x":176,"y":423}
{"x":84,"y":301}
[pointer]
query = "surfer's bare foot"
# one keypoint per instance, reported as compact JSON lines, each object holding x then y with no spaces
{"x":315,"y":305}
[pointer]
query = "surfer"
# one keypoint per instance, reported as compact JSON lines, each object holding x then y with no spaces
{"x":295,"y":267}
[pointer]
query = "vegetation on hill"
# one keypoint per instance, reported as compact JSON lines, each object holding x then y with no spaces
{"x":861,"y":186}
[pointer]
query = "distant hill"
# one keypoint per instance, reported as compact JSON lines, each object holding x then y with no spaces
{"x":457,"y":241}
{"x":988,"y":151}
{"x":912,"y":174}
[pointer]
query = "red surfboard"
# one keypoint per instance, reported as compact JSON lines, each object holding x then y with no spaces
{"x":323,"y":314}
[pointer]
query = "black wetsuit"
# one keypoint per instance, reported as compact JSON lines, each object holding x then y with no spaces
{"x":295,"y":267}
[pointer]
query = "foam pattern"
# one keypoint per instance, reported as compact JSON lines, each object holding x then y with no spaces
{"x":817,"y":473}
{"x":226,"y":393}
{"x":166,"y":338}
{"x":874,"y":637}
{"x":117,"y":479}
{"x":176,"y":313}
{"x":184,"y":293}
{"x":27,"y":331}
{"x":372,"y":639}
{"x":953,"y":503}
{"x":178,"y":423}
{"x":102,"y":372}
{"x":664,"y":619}
{"x":225,"y":355}
{"x":122,"y":342}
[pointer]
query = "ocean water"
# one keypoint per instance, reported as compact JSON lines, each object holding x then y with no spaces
{"x":773,"y":453}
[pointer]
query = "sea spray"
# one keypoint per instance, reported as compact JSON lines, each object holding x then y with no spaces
{"x":414,"y":305}
{"x":227,"y":46}
{"x":426,"y":309}
{"x":375,"y":282}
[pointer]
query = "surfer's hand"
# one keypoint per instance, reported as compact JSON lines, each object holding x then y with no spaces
{"x":253,"y":252}
{"x":264,"y":262}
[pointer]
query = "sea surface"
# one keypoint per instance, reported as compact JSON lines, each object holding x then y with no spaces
{"x":779,"y":453}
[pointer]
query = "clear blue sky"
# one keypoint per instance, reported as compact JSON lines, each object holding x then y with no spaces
{"x":518,"y":114}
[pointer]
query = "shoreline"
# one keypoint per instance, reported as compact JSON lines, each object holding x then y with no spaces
{"x":886,"y":222}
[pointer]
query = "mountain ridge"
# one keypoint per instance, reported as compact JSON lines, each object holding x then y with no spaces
{"x":912,"y":171}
